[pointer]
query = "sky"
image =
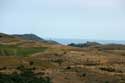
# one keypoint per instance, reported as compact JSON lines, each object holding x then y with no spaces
{"x":81,"y":19}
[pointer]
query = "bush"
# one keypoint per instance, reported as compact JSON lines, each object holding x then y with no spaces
{"x":31,"y":63}
{"x":68,"y":67}
{"x":26,"y":76}
{"x":109,"y":69}
{"x":106,"y":81}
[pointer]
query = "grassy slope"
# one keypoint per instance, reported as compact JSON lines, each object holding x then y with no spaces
{"x":6,"y":50}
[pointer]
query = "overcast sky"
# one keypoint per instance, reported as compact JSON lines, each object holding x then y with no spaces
{"x":93,"y":19}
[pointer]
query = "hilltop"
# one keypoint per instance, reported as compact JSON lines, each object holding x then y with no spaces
{"x":29,"y":36}
{"x":35,"y":38}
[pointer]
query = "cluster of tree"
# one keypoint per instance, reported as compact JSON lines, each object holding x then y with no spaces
{"x":26,"y":76}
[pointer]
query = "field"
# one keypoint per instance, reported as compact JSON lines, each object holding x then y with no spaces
{"x":10,"y":50}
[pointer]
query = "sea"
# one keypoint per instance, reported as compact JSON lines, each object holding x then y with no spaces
{"x":68,"y":41}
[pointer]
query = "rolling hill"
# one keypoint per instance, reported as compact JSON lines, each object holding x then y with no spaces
{"x":60,"y":63}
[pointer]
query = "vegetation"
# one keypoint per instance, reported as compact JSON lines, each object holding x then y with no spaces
{"x":109,"y":69}
{"x":87,"y":44}
{"x":91,"y":63}
{"x":6,"y":50}
{"x":26,"y":76}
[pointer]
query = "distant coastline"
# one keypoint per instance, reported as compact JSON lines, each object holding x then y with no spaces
{"x":68,"y":41}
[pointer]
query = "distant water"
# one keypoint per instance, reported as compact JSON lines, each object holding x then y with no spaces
{"x":68,"y":41}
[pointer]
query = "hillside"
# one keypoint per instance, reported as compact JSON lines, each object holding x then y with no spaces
{"x":35,"y":38}
{"x":30,"y":37}
{"x":60,"y":63}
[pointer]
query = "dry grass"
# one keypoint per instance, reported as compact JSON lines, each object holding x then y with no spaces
{"x":66,"y":64}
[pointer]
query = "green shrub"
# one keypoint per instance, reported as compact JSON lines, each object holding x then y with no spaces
{"x":26,"y":76}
